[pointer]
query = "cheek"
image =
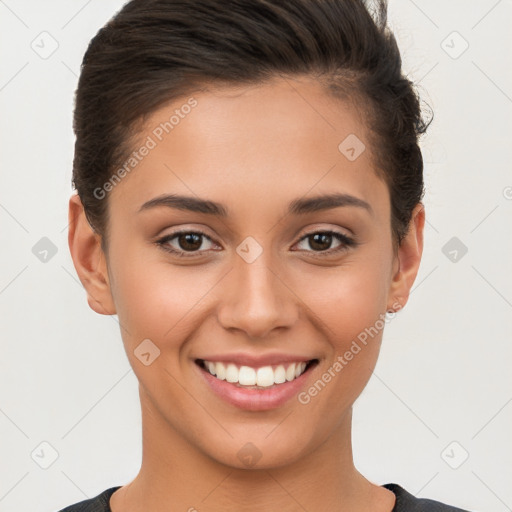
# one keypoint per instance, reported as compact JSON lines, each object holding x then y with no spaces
{"x":350,"y":304}
{"x":346,"y":299}
{"x":154,"y":298}
{"x":159,"y":303}
{"x":356,"y":327}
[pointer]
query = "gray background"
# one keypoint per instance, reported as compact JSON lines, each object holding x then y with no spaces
{"x":441,"y":391}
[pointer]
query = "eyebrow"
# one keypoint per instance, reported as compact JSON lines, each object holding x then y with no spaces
{"x":296,"y":207}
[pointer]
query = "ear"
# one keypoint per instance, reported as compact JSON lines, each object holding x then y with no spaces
{"x":407,"y":261}
{"x":89,"y":259}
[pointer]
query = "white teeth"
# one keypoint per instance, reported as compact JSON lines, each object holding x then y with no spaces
{"x":247,"y":376}
{"x":280,"y":374}
{"x":265,"y":376}
{"x":220,"y":371}
{"x":231,"y":373}
{"x":290,"y":372}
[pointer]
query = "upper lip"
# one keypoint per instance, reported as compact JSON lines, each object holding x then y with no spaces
{"x":256,"y":361}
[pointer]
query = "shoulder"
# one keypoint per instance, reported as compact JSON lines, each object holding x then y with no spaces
{"x":406,"y":502}
{"x":99,"y":503}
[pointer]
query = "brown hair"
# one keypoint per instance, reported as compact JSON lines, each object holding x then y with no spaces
{"x":154,"y":51}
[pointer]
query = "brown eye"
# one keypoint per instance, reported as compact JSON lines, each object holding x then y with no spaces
{"x":184,"y":242}
{"x":321,"y":241}
{"x":190,"y":241}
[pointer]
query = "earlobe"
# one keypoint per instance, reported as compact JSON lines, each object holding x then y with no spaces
{"x":89,"y":259}
{"x":409,"y":258}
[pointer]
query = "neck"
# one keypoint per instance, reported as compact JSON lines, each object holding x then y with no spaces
{"x":176,"y":475}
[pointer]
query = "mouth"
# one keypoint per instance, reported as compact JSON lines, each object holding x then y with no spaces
{"x":256,"y":378}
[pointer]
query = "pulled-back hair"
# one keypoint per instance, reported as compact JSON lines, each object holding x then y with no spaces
{"x":155,"y":51}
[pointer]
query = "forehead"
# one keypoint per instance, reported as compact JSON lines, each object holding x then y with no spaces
{"x":277,"y":140}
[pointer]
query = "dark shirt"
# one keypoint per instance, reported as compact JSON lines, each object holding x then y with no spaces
{"x":405,"y":502}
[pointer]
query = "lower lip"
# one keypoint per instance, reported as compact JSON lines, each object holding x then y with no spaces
{"x":256,"y":399}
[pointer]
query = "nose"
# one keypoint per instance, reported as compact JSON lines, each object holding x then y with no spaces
{"x":256,"y":300}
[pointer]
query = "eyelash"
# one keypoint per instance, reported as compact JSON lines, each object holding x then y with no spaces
{"x":345,"y":241}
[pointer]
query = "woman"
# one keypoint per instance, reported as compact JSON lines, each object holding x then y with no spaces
{"x":249,"y":188}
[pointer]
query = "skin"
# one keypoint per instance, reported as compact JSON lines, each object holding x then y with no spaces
{"x":254,"y":149}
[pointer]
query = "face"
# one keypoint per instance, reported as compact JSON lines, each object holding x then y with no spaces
{"x":284,"y":274}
